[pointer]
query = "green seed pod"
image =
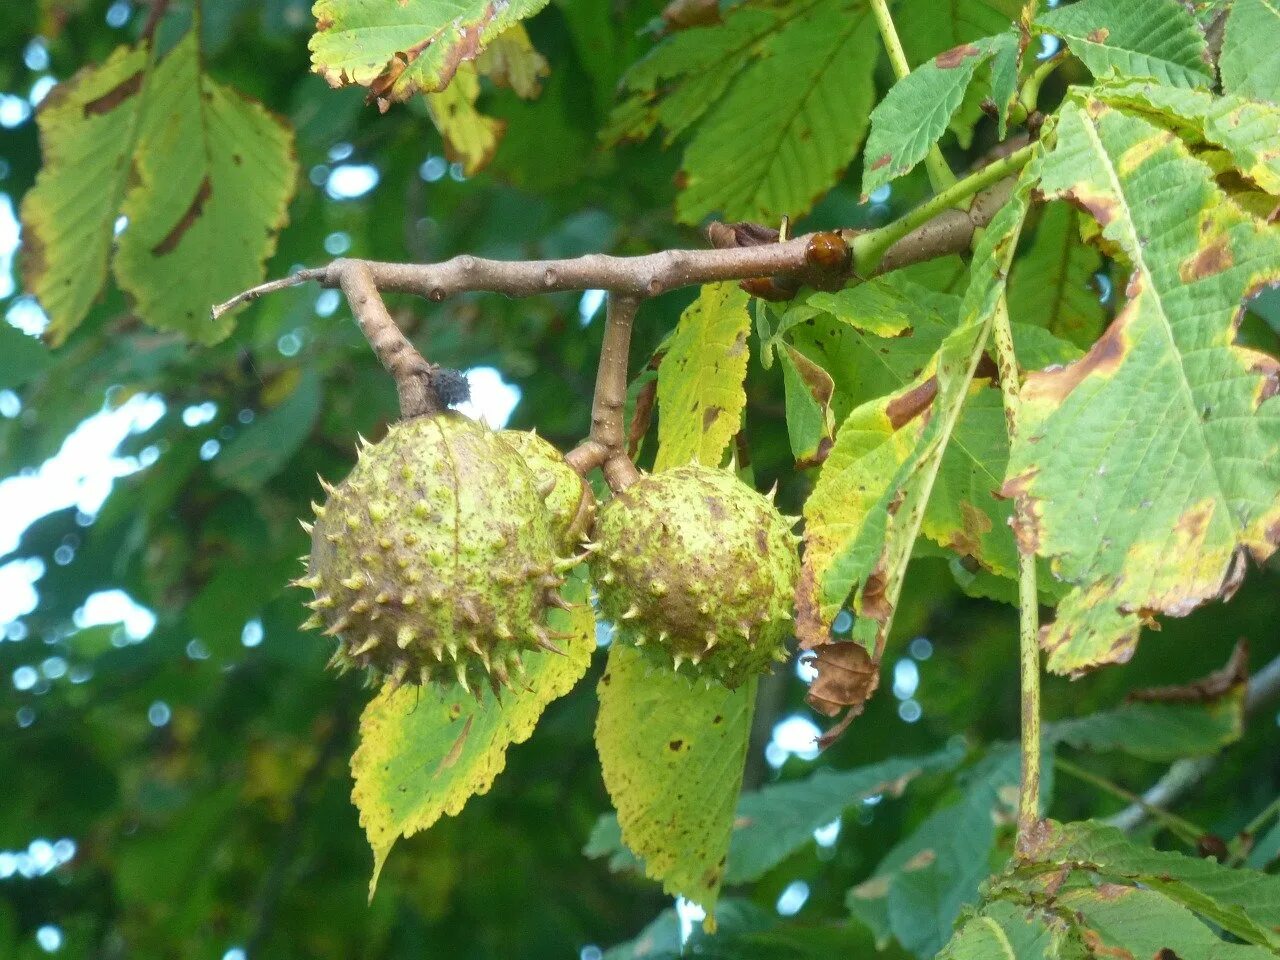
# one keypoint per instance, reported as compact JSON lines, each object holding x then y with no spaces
{"x":695,"y":564}
{"x":434,"y":561}
{"x":568,"y":496}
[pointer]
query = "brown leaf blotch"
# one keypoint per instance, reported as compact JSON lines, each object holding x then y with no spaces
{"x":905,"y":407}
{"x":950,"y":59}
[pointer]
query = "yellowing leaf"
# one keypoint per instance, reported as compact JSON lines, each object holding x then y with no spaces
{"x":700,"y":393}
{"x":1148,"y":470}
{"x":201,"y":175}
{"x":672,"y":749}
{"x":512,"y":61}
{"x":470,"y":137}
{"x":424,"y":751}
{"x":398,"y":49}
{"x":88,"y":126}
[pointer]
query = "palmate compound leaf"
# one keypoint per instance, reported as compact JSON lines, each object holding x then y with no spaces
{"x":1241,"y":901}
{"x":868,"y":504}
{"x":424,"y":751}
{"x":915,"y":112}
{"x":1139,"y":38}
{"x":672,"y":749}
{"x":700,"y":379}
{"x":203,"y":176}
{"x":399,"y":49}
{"x":1148,"y":470}
{"x":1250,"y":57}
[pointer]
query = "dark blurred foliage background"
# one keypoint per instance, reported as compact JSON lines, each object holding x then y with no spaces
{"x":173,"y":756}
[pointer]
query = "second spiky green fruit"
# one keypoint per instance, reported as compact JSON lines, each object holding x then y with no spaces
{"x":693,"y":563}
{"x":434,"y":560}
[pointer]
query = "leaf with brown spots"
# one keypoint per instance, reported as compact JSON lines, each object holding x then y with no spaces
{"x":807,"y":391}
{"x":1149,"y":470}
{"x":470,"y":137}
{"x":165,"y":150}
{"x":915,"y":113}
{"x":425,"y":751}
{"x":869,"y":504}
{"x":700,"y":380}
{"x":1152,"y":38}
{"x":411,"y":46}
{"x":673,"y":770}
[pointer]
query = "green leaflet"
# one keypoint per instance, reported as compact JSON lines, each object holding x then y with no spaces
{"x":915,"y":113}
{"x":425,"y":751}
{"x":1157,"y":731}
{"x":789,"y":125}
{"x":1003,"y":931}
{"x":807,"y":391}
{"x":399,"y":49}
{"x":918,"y":890}
{"x":1123,"y":921}
{"x":672,"y":750}
{"x":1179,"y":420}
{"x":864,"y":513}
{"x":1241,"y":901}
{"x":1052,"y":283}
{"x":1250,"y":57}
{"x":1154,"y":38}
{"x":927,"y":28}
{"x":203,"y":176}
{"x":22,"y":358}
{"x":700,"y":380}
{"x":1245,"y":129}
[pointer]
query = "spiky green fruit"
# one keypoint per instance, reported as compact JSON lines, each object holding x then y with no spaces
{"x":568,"y":496}
{"x":434,"y":560}
{"x":693,"y":563}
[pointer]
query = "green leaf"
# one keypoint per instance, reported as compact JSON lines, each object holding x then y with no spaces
{"x":1250,"y":58}
{"x":1151,"y":38}
{"x":1124,"y":922}
{"x":700,"y":392}
{"x":1243,"y":128}
{"x":261,"y":449}
{"x":399,"y":49}
{"x":914,"y":114}
{"x":202,"y":175}
{"x":920,"y":887}
{"x":211,"y":186}
{"x":1241,"y":901}
{"x":865,"y":511}
{"x":927,"y":28}
{"x":790,"y":123}
{"x":1266,"y":848}
{"x":807,"y":390}
{"x":22,"y":358}
{"x":672,"y":749}
{"x":88,"y":127}
{"x":1182,"y":427}
{"x":1002,"y":931}
{"x":425,"y":751}
{"x":779,"y":819}
{"x":1052,"y":284}
{"x":1157,"y":731}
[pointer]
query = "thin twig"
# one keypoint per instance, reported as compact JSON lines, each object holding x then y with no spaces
{"x":1184,"y":829}
{"x":1184,"y":775}
{"x":606,"y":445}
{"x":271,"y":286}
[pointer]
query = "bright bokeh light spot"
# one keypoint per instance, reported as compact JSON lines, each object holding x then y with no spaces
{"x":159,"y":714}
{"x":793,"y":898}
{"x":10,"y":233}
{"x":906,"y":678}
{"x":18,"y":578}
{"x":116,"y":606}
{"x":25,"y":314}
{"x":200,"y":414}
{"x":14,"y":111}
{"x":921,"y":648}
{"x":493,"y":400}
{"x":589,"y":305}
{"x":209,"y":449}
{"x":40,"y":89}
{"x":340,"y":151}
{"x":350,"y":181}
{"x":24,"y":678}
{"x":433,"y":168}
{"x":327,"y":303}
{"x":235,"y":953}
{"x":50,"y":938}
{"x":36,"y":55}
{"x":251,"y":635}
{"x":591,"y":952}
{"x":1048,"y":47}
{"x":826,"y":836}
{"x":881,"y":194}
{"x":118,"y":14}
{"x":843,"y":623}
{"x":910,"y":711}
{"x":54,"y":668}
{"x":337,"y":243}
{"x":805,"y":669}
{"x":795,"y":735}
{"x":689,"y":914}
{"x":79,"y":475}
